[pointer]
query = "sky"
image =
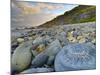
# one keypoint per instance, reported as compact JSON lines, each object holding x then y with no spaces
{"x":31,"y":13}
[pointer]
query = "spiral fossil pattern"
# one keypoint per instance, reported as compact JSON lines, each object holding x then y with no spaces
{"x":76,"y":57}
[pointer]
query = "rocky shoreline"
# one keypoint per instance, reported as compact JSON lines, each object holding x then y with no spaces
{"x":60,"y":48}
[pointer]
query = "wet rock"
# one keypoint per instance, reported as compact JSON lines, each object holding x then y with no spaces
{"x":76,"y":57}
{"x":37,"y":70}
{"x":21,"y":57}
{"x":39,"y":60}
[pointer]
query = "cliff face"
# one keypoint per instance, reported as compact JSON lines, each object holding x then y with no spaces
{"x":79,"y":14}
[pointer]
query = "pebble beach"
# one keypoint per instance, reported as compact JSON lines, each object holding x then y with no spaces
{"x":59,"y":48}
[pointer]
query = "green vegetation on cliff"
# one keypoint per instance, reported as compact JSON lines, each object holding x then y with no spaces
{"x":79,"y":14}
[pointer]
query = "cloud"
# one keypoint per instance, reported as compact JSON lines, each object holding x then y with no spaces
{"x":49,"y":6}
{"x":35,"y":13}
{"x":31,"y":20}
{"x":28,"y":8}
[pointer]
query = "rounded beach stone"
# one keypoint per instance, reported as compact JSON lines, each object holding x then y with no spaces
{"x":30,"y":38}
{"x":21,"y":57}
{"x":72,"y":39}
{"x":39,"y":60}
{"x":34,"y":52}
{"x":79,"y":37}
{"x":63,"y":33}
{"x":38,"y":40}
{"x":82,"y":40}
{"x":62,"y":39}
{"x":20,"y":40}
{"x":76,"y":57}
{"x":53,"y":48}
{"x":51,"y":51}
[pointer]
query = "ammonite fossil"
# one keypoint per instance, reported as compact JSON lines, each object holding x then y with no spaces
{"x":76,"y":57}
